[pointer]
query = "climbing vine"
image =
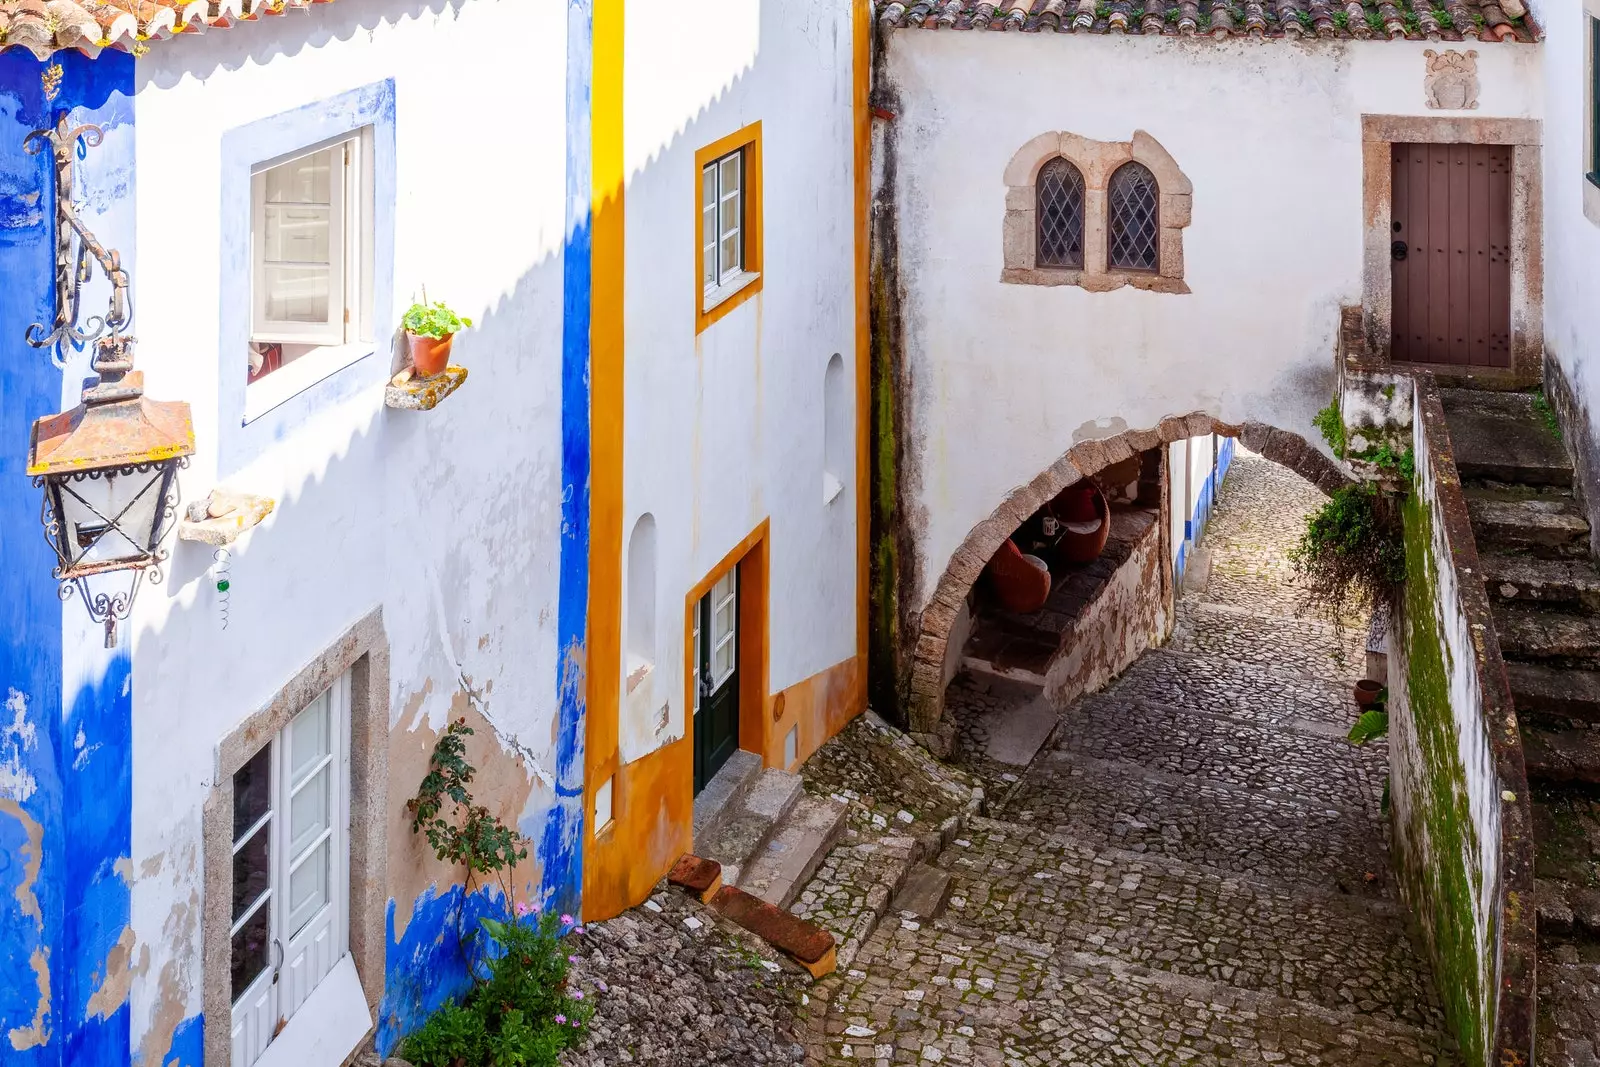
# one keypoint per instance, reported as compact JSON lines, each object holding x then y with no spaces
{"x":1352,"y":555}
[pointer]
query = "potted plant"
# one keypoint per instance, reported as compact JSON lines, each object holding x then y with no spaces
{"x":430,"y":329}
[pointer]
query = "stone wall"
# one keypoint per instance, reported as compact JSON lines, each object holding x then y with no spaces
{"x":1128,"y":617}
{"x":1458,"y":793}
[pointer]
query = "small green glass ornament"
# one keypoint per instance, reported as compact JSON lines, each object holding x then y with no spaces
{"x":222,"y":586}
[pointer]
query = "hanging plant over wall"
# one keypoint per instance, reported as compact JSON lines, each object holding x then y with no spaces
{"x":1352,"y":555}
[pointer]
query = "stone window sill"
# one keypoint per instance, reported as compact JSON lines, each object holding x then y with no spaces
{"x":1591,"y":198}
{"x":1094,"y":283}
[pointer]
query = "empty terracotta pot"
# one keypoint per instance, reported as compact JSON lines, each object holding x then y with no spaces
{"x":1082,"y":509}
{"x":1367,"y":692}
{"x":430,"y":355}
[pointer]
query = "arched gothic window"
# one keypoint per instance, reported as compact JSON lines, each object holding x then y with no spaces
{"x":1135,"y":226}
{"x":1060,"y":214}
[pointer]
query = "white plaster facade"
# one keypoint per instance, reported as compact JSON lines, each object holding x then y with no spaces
{"x":725,"y":428}
{"x":447,"y":520}
{"x":1003,"y":379}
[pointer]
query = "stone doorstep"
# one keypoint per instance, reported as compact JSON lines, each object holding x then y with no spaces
{"x":1500,"y":436}
{"x":1552,"y":525}
{"x":1539,"y":689}
{"x":793,"y":851}
{"x":1573,"y":582}
{"x":726,"y":788}
{"x":739,"y":833}
{"x":696,"y":876}
{"x":806,"y":943}
{"x":1556,"y":755}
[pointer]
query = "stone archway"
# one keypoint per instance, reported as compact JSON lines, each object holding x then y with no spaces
{"x":928,"y":723}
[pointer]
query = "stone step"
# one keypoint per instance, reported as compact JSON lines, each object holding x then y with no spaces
{"x":1542,"y":690}
{"x":1569,"y":1014}
{"x":1561,"y":755}
{"x":806,"y":943}
{"x":1546,"y":526}
{"x":741,"y":830}
{"x":1553,"y":637}
{"x":1566,"y":912}
{"x":1574,"y":583}
{"x":1566,"y":836}
{"x":1253,"y":832}
{"x":1341,"y":952}
{"x":778,"y":870}
{"x":1222,"y":748}
{"x":942,"y":992}
{"x":925,"y":893}
{"x":727,"y":787}
{"x":1501,"y":436}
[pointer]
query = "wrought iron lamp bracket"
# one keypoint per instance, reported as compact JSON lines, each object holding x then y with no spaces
{"x":77,"y":248}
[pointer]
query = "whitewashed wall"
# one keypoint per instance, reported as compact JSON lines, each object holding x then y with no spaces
{"x":726,"y":429}
{"x":449,"y":520}
{"x":1005,"y":378}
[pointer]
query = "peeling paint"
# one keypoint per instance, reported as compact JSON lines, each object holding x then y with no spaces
{"x":38,"y":1033}
{"x":172,"y":984}
{"x":117,"y":978}
{"x":16,"y":739}
{"x":27,"y":898}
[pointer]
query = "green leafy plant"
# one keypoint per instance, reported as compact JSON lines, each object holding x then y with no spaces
{"x":1401,"y":463}
{"x":1442,"y":17}
{"x":1351,"y":555}
{"x":1547,"y":414}
{"x":1305,"y":19}
{"x":1329,"y":421}
{"x":1341,"y":19}
{"x":433,"y":320}
{"x":1371,"y":724}
{"x":1374,"y":22}
{"x":522,"y":1014}
{"x":521,"y":1010}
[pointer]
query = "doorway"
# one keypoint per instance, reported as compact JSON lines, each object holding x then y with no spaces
{"x":1450,"y":254}
{"x":716,"y":689}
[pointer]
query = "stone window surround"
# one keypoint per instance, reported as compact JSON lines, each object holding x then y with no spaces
{"x":363,"y":650}
{"x":1096,"y":161}
{"x":1379,"y":135}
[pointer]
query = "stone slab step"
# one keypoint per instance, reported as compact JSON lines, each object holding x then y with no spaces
{"x":780,"y":868}
{"x":1341,"y":952}
{"x":1566,"y":836}
{"x":1561,"y":755}
{"x":806,"y":943}
{"x":1499,"y":435}
{"x":1544,"y":526}
{"x":1571,"y":582}
{"x":726,"y":788}
{"x":1566,"y":910}
{"x":742,"y":829}
{"x":1531,"y":633}
{"x":925,"y":893}
{"x":1545,"y":690}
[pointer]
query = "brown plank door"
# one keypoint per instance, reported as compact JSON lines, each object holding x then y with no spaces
{"x":1451,"y":254}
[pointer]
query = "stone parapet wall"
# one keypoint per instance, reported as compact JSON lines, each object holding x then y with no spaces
{"x":1459,"y":793}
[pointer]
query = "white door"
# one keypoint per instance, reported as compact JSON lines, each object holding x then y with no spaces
{"x":290,"y":870}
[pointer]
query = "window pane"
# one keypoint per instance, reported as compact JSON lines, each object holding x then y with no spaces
{"x":252,"y":792}
{"x":708,"y":245}
{"x":298,"y":294}
{"x":309,"y":733}
{"x":307,"y":180}
{"x":308,"y":812}
{"x":252,"y":870}
{"x":732,"y":261}
{"x":730,"y":175}
{"x":308,"y":888}
{"x":297,"y":234}
{"x":730,"y":213}
{"x":251,"y":947}
{"x":1060,"y":215}
{"x":1135,"y":237}
{"x":722,"y":661}
{"x":708,"y":185}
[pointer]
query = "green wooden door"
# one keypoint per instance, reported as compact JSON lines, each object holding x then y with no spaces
{"x":716,"y":658}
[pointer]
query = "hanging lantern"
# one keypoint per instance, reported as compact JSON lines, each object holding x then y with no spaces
{"x":109,"y":470}
{"x":109,"y":467}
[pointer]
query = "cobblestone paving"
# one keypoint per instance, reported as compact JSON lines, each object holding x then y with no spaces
{"x":1193,"y":871}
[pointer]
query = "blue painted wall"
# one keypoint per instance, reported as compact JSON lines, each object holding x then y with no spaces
{"x":65,"y":772}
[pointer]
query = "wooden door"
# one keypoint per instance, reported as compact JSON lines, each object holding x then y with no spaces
{"x":1451,"y":254}
{"x":716,"y":657}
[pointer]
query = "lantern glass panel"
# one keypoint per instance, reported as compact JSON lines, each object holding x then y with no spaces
{"x":120,"y":509}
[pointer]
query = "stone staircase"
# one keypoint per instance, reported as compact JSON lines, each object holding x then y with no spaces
{"x":763,"y":829}
{"x":1544,"y":589}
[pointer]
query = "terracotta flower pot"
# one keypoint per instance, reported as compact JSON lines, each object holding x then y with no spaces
{"x":1367,"y":692}
{"x":429,"y":355}
{"x":1082,"y":509}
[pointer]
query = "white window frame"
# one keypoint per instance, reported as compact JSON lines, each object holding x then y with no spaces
{"x":275,"y":981}
{"x":718,"y":279}
{"x":347,"y":335}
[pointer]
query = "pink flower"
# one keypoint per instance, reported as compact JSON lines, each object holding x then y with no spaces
{"x":572,"y":959}
{"x":600,"y":985}
{"x":523,"y":909}
{"x":561,"y":1018}
{"x":574,"y":1024}
{"x":577,"y":994}
{"x":579,"y":930}
{"x":566,"y":920}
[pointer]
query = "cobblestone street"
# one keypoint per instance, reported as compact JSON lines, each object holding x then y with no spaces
{"x":1191,"y":871}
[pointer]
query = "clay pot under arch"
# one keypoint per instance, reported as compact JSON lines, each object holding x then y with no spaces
{"x":1076,"y":506}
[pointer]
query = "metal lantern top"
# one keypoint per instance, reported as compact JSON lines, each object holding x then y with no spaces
{"x":115,"y":426}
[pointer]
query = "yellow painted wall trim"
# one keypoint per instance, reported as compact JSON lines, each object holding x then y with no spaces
{"x":749,"y":140}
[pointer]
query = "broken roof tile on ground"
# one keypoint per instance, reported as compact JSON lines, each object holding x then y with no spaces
{"x":47,"y":26}
{"x":1455,"y":20}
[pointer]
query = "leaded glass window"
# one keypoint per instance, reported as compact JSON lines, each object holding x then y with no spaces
{"x":1134,"y":233}
{"x":1060,"y":215}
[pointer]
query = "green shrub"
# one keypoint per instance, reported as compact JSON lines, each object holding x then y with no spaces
{"x":433,"y":320}
{"x":1331,"y":424}
{"x":1352,"y":555}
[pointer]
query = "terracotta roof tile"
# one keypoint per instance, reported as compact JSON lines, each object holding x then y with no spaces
{"x":1436,"y":20}
{"x":47,"y":26}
